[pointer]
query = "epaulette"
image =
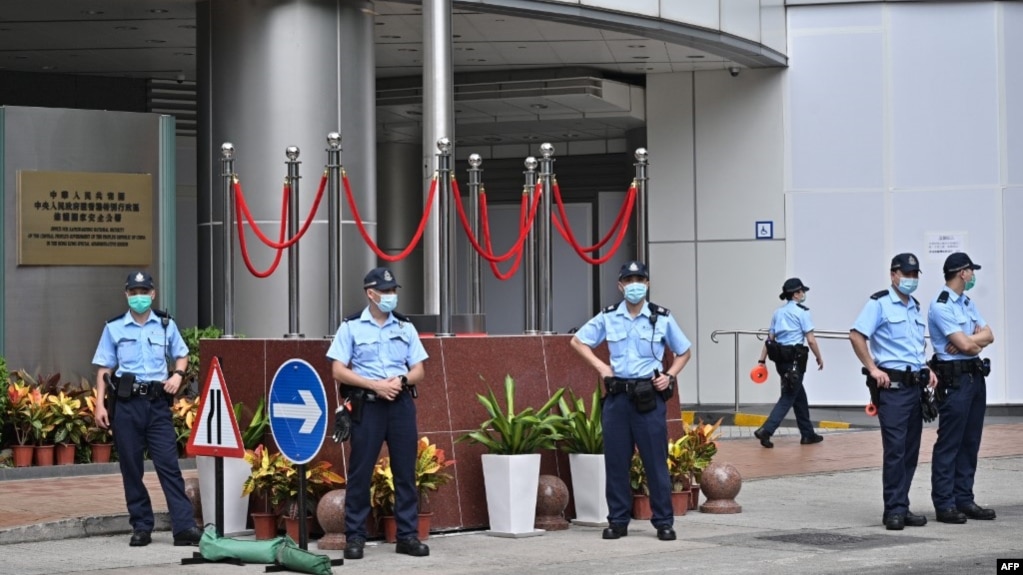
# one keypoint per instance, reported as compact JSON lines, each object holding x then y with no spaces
{"x":966,"y":300}
{"x":879,"y":295}
{"x":658,"y":310}
{"x":943,"y":297}
{"x":353,"y":317}
{"x":916,"y":301}
{"x":802,"y":306}
{"x":611,"y":307}
{"x":115,"y":318}
{"x":401,"y":317}
{"x":162,"y":313}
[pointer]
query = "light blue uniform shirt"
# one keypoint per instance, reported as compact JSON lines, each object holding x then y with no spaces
{"x":895,"y":330}
{"x":374,"y":351}
{"x":790,"y":323}
{"x":637,"y":347}
{"x":956,"y":314}
{"x":139,"y":349}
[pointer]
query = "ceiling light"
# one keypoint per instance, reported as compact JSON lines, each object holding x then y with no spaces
{"x":637,"y":45}
{"x":408,"y":49}
{"x":641,"y":57}
{"x":538,"y":106}
{"x":125,"y":28}
{"x":570,"y":135}
{"x":531,"y":137}
{"x":476,"y":60}
{"x":414,"y":113}
{"x":155,"y":41}
{"x":184,"y":54}
{"x":187,"y":26}
{"x":491,"y":139}
{"x":158,"y":11}
{"x":695,"y":56}
{"x":47,"y":67}
{"x":456,"y":35}
{"x":379,"y":23}
{"x":92,"y":12}
{"x":390,"y":37}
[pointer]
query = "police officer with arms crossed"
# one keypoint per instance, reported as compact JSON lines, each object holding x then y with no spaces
{"x":895,"y":363}
{"x":378,"y":360}
{"x":634,"y":409}
{"x":135,"y":349}
{"x":958,"y":334}
{"x":790,"y":325}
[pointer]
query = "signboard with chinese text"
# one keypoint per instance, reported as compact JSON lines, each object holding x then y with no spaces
{"x":85,"y":219}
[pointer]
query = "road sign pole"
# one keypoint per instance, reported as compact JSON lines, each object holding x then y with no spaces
{"x":218,"y":474}
{"x":303,"y":537}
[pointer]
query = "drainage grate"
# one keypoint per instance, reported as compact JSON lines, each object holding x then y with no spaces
{"x":831,"y":539}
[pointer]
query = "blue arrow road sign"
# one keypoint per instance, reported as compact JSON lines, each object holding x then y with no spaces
{"x":298,"y":411}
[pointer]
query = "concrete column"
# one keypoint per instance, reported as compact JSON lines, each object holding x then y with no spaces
{"x":398,"y":175}
{"x":273,"y":74}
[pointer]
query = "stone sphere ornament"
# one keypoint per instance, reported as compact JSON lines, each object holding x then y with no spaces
{"x":330,"y":512}
{"x":192,"y":492}
{"x":720,"y":483}
{"x":551,"y":501}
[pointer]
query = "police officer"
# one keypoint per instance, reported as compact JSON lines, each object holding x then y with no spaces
{"x":895,"y":363}
{"x":134,"y":352}
{"x":958,"y":334}
{"x":378,"y":360}
{"x":790,"y":326}
{"x":633,"y":414}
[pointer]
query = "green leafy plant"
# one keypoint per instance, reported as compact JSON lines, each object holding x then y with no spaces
{"x":381,"y":488}
{"x":581,"y":433}
{"x":95,"y":433}
{"x":508,"y":433}
{"x":276,"y":478}
{"x":4,"y":401}
{"x":183,"y":413}
{"x":681,"y":462}
{"x":253,"y":433}
{"x":69,"y":418}
{"x":192,"y":335}
{"x":637,"y":476}
{"x":703,"y":443}
{"x":20,"y":397}
{"x":430,"y":465}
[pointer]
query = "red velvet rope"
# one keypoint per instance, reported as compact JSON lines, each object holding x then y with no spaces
{"x":241,"y":234}
{"x":365,"y":235}
{"x":610,"y":233}
{"x":523,"y":206}
{"x":487,"y":253}
{"x":243,"y":209}
{"x":566,"y":231}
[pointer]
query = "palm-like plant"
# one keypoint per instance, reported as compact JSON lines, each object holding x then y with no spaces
{"x":703,"y":443}
{"x":581,"y":433}
{"x":430,"y":464}
{"x":681,"y":462}
{"x":68,"y":418}
{"x":19,"y":407}
{"x":381,"y":488}
{"x":508,"y":433}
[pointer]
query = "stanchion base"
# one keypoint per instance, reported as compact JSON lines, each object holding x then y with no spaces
{"x":198,"y":559}
{"x":294,"y":336}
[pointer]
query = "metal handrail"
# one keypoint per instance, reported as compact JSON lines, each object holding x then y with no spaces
{"x":761,"y":334}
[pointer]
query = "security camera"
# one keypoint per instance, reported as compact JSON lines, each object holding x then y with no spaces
{"x":734,"y":71}
{"x":181,"y":78}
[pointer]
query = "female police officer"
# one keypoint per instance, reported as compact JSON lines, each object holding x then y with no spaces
{"x":634,"y":409}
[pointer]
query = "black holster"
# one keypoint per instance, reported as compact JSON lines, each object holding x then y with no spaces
{"x":357,"y":399}
{"x":644,"y":396}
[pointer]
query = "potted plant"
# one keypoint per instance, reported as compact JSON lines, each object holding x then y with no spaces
{"x":100,"y":439}
{"x":680,"y":468}
{"x":511,"y":471}
{"x":583,"y":440}
{"x":235,"y":471}
{"x":41,"y":416}
{"x":640,"y":489}
{"x":430,"y":476}
{"x":703,"y":443}
{"x":381,"y":498}
{"x":319,"y":479}
{"x":69,"y":425}
{"x":268,"y":479}
{"x":183,"y":413}
{"x":18,"y":414}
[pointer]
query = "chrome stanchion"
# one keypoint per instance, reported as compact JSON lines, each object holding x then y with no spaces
{"x":333,"y":232}
{"x":529,"y":258}
{"x":642,"y":240}
{"x":545,"y":298}
{"x":447,"y":280}
{"x":227,"y":176}
{"x":292,"y":152}
{"x":475,"y":271}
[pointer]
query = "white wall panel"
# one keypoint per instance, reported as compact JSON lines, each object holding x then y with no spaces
{"x":739,"y":153}
{"x":1012,"y":37}
{"x":673,"y":285}
{"x":839,"y":17}
{"x":645,"y":7}
{"x":944,"y":95}
{"x":741,"y":17}
{"x":670,"y":144}
{"x":837,"y":246}
{"x":737,"y":289}
{"x":977,"y":214}
{"x":1009,"y":340}
{"x":836,"y":111}
{"x":772,"y":24}
{"x":704,"y":13}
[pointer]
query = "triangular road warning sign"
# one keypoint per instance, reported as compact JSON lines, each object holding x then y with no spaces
{"x":215,"y":430}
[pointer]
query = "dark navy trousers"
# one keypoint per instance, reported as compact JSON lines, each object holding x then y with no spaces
{"x":901,"y":424}
{"x":625,"y":429}
{"x":395,"y":423}
{"x":960,"y":425}
{"x":792,"y":397}
{"x":141,"y":424}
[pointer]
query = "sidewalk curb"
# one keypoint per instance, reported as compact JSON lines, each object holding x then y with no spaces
{"x":740,"y":419}
{"x":77,"y":528}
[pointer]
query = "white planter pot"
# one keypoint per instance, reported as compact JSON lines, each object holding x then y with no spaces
{"x":511,"y":482}
{"x":588,"y":489}
{"x":236,"y":506}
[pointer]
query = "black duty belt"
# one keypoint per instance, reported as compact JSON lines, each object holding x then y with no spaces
{"x":902,"y":376}
{"x":616,"y":385}
{"x":955,"y":367}
{"x":150,"y":390}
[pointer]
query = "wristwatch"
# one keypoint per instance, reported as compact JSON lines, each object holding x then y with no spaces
{"x":404,"y":379}
{"x":761,"y":362}
{"x":178,"y":372}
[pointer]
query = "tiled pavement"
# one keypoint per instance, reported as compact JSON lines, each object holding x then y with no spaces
{"x":39,"y":501}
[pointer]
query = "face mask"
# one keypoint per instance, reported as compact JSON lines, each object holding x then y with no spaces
{"x":908,"y":285}
{"x":140,"y":303}
{"x":804,"y":298}
{"x":388,"y":301}
{"x":971,"y":282}
{"x":635,"y":292}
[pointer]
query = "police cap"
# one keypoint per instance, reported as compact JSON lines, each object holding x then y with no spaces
{"x":138,"y":279}
{"x":380,"y":279}
{"x":905,"y":262}
{"x":792,"y":285}
{"x":634,"y":268}
{"x":958,"y":262}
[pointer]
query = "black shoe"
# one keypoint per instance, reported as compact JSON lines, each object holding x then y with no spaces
{"x":616,"y":531}
{"x":811,"y":440}
{"x":895,"y":522}
{"x":140,"y":539}
{"x":914,"y":520}
{"x":764,"y":437}
{"x":665,"y":533}
{"x":412,"y":546}
{"x":974,"y":511}
{"x":190,"y":536}
{"x":950,"y":515}
{"x":354,"y":548}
